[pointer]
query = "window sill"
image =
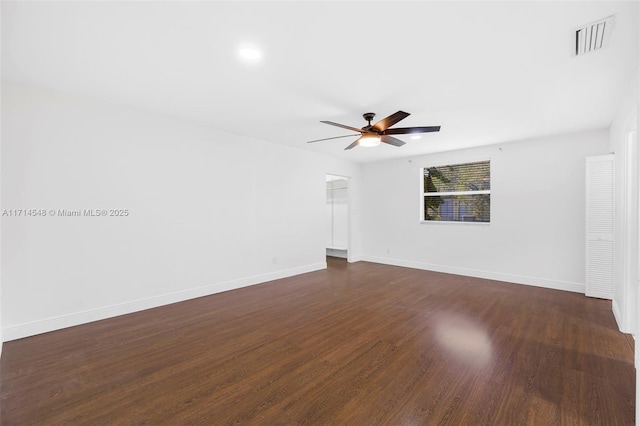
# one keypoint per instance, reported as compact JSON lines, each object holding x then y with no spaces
{"x":443,"y":222}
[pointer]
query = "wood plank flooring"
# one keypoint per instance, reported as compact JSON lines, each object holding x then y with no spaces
{"x":357,"y":344}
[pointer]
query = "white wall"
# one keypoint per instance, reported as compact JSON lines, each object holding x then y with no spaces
{"x":208,"y":211}
{"x":1,"y":339}
{"x":626,"y":219}
{"x":537,"y":230}
{"x":626,"y":294}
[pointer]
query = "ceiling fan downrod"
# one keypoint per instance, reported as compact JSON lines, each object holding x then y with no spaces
{"x":369,"y":116}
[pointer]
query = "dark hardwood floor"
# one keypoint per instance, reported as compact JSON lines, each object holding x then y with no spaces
{"x":357,"y":344}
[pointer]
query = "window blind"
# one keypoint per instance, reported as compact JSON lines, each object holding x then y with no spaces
{"x":457,"y":192}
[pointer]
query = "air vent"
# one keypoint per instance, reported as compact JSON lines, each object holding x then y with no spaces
{"x":593,"y":36}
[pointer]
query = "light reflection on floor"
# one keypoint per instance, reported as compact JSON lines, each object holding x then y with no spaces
{"x":467,"y":341}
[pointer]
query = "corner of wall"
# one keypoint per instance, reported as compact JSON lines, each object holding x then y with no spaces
{"x":618,"y":316}
{"x":625,"y":122}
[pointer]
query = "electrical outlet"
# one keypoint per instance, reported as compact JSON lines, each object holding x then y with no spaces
{"x":274,"y":260}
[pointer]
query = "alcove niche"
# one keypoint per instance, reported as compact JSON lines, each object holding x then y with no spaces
{"x":337,"y":215}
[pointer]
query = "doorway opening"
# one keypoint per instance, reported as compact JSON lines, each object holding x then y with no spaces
{"x":337,"y":216}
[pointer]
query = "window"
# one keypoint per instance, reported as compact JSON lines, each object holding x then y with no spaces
{"x":457,"y":193}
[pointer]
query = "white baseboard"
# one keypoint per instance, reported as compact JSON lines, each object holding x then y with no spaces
{"x":19,"y":331}
{"x":496,"y":276}
{"x":618,"y":316}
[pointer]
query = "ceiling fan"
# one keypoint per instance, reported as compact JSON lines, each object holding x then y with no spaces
{"x":379,"y":132}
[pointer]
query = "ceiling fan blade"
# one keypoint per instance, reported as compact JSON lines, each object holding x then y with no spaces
{"x":408,"y":130}
{"x":355,"y":129}
{"x":354,"y":144}
{"x":391,"y":140}
{"x":335,"y":137}
{"x":385,"y":123}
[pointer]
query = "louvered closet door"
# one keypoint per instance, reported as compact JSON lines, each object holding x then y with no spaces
{"x":599,"y":251}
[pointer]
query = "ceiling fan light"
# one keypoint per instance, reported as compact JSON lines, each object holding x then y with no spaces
{"x":369,"y":140}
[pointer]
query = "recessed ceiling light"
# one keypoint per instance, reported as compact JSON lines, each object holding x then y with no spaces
{"x":416,"y":137}
{"x":250,"y":53}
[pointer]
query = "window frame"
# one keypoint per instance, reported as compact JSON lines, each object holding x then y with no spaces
{"x":450,"y":193}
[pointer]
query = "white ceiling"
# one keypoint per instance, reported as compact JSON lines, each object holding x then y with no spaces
{"x":487,"y":72}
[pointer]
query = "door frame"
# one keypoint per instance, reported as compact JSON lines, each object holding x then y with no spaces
{"x":349,"y":202}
